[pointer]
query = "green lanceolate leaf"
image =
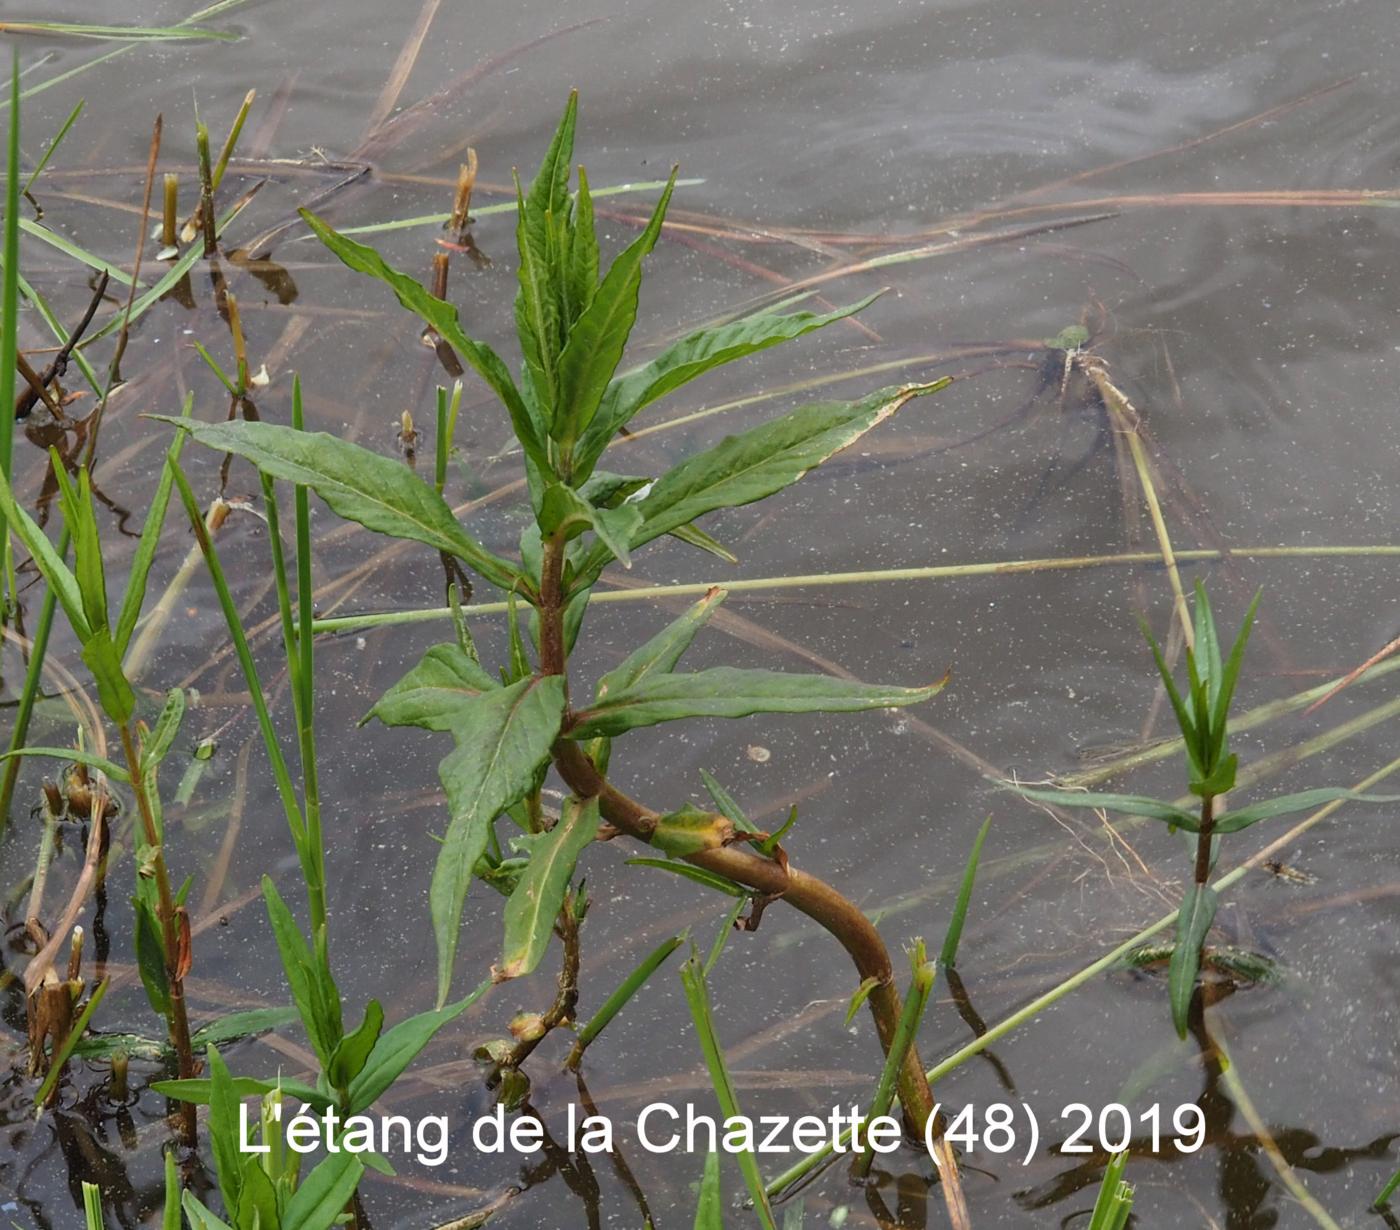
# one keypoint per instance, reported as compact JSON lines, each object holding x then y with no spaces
{"x":948,"y":957}
{"x":224,"y":1135}
{"x":199,"y":1090}
{"x":549,"y":193}
{"x":748,"y":467}
{"x":199,"y":1215}
{"x":1185,"y":722}
{"x":539,"y":895}
{"x":730,"y":692}
{"x":433,"y":694}
{"x":400,"y":1046}
{"x":538,"y":310}
{"x":688,"y":358}
{"x":60,"y":579}
{"x":150,"y":958}
{"x":1284,"y":805}
{"x":694,"y":537}
{"x":600,"y":334}
{"x":1230,"y":673}
{"x":1207,"y":650}
{"x":1220,"y":781}
{"x":112,"y":770}
{"x":726,"y":803}
{"x":1129,"y":804}
{"x":155,"y":748}
{"x":581,"y":260}
{"x":235,"y":1026}
{"x":443,"y":319}
{"x":150,"y":538}
{"x":362,"y":486}
{"x":101,"y":657}
{"x":660,"y":654}
{"x":355,"y":1048}
{"x":503,"y":739}
{"x":540,"y":301}
{"x":691,"y":830}
{"x":709,"y":1208}
{"x":81,"y":519}
{"x":1193,"y":921}
{"x":313,"y":988}
{"x":564,"y":509}
{"x":707,"y":879}
{"x":319,"y":1201}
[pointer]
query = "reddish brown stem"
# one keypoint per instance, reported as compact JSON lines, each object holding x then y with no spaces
{"x":178,"y":1020}
{"x":812,"y":896}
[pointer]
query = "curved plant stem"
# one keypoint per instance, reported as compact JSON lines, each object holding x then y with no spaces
{"x":812,"y":896}
{"x":1028,"y":1012}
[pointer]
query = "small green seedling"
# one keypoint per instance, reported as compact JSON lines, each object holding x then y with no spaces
{"x":1202,"y":712}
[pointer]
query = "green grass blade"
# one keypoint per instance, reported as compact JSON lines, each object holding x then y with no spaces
{"x":1383,"y":1198}
{"x":905,"y":1032}
{"x":42,"y":233}
{"x":283,"y":778}
{"x":1115,"y":1199}
{"x":709,"y":1208}
{"x":698,"y":997}
{"x":61,"y":1053}
{"x":53,"y":146}
{"x":126,"y":34}
{"x":9,"y":324}
{"x":29,"y":695}
{"x":1193,"y":922}
{"x":619,"y":999}
{"x":949,"y":954}
{"x":92,"y":1206}
{"x":170,"y":1216}
{"x":145,"y":554}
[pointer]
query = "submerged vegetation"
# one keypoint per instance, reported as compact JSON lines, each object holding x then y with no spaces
{"x":538,"y":772}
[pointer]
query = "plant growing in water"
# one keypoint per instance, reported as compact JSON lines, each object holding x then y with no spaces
{"x":569,"y":404}
{"x":1202,"y":712}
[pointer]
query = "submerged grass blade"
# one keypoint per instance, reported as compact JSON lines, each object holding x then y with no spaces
{"x":504,"y":207}
{"x":126,"y":34}
{"x":822,"y":580}
{"x":698,"y":997}
{"x":53,"y":146}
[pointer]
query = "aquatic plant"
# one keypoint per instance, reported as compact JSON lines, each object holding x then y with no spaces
{"x":568,"y":405}
{"x":1202,"y":710}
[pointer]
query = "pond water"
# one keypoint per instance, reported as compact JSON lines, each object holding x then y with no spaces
{"x":1206,"y":188}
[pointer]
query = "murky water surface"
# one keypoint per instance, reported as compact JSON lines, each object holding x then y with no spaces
{"x":1235,"y":275}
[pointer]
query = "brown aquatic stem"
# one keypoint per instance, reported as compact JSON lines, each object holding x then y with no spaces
{"x":561,"y":1011}
{"x":178,"y":1019}
{"x":821,"y":902}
